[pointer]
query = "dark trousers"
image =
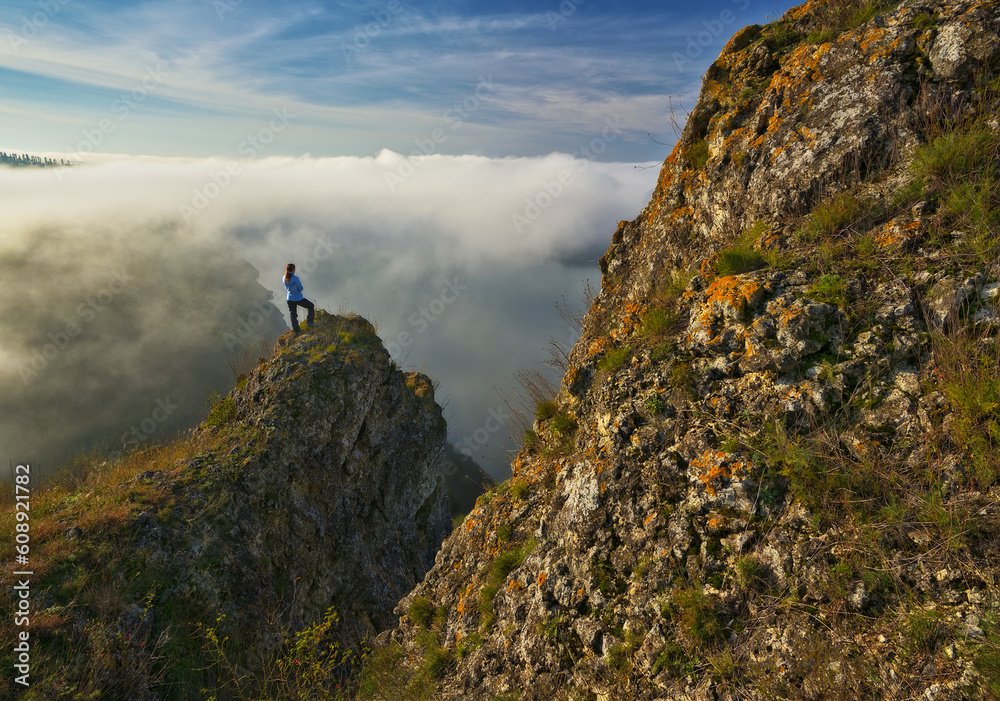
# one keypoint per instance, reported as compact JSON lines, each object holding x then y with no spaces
{"x":294,"y":312}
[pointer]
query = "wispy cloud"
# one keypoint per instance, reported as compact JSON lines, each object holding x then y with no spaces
{"x":362,"y":73}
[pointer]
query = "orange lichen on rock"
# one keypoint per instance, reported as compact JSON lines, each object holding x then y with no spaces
{"x":597,"y":346}
{"x":715,"y":467}
{"x":731,"y":291}
{"x":898,"y":233}
{"x":629,"y":321}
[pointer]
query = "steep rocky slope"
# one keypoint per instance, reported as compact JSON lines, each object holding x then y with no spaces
{"x":771,"y":469}
{"x":182,"y":571}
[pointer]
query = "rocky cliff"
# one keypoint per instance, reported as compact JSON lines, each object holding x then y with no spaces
{"x":771,"y":469}
{"x":191,"y":569}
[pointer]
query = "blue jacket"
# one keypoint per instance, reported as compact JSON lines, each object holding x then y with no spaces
{"x":294,"y":287}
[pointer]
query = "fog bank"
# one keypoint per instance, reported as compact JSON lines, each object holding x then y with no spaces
{"x":132,"y":281}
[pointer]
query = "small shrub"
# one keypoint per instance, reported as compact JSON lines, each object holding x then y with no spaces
{"x":833,"y":215}
{"x":830,"y":288}
{"x":643,"y":566}
{"x":969,"y":376}
{"x":697,"y":153}
{"x":438,"y":661}
{"x":987,"y":658}
{"x":821,"y":36}
{"x":697,"y":616}
{"x":723,"y":666}
{"x":603,"y":576}
{"x":750,"y":574}
{"x":655,"y":404}
{"x":223,"y":411}
{"x":562,"y":425}
{"x":663,"y":350}
{"x":974,"y":203}
{"x":421,"y":611}
{"x":675,"y":284}
{"x":614,"y":358}
{"x":532,"y":442}
{"x":520,"y":490}
{"x":869,"y":11}
{"x":682,"y":379}
{"x":782,"y":35}
{"x":658,"y":321}
{"x":550,"y":629}
{"x":923,"y":20}
{"x":501,"y":567}
{"x":619,"y":659}
{"x":673,"y":659}
{"x":469,"y":644}
{"x":739,"y":259}
{"x":546,"y":410}
{"x":925,"y":630}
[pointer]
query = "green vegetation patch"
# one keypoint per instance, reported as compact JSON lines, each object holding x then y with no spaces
{"x":697,"y":153}
{"x":835,"y":214}
{"x":739,"y":259}
{"x":614,"y":359}
{"x":501,"y":567}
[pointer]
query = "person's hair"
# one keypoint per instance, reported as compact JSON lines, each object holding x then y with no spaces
{"x":289,"y":271}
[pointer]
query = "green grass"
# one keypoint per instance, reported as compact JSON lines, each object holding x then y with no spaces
{"x":697,"y":153}
{"x":655,"y":404}
{"x":833,"y":215}
{"x":697,"y":616}
{"x":562,"y":425}
{"x":520,"y":490}
{"x":614,"y":358}
{"x":532,"y":441}
{"x":739,"y":259}
{"x":968,"y":375}
{"x":830,"y":288}
{"x":222,"y":413}
{"x":821,"y":36}
{"x":782,"y":35}
{"x":501,"y":567}
{"x":658,"y":322}
{"x":545,"y":410}
{"x":421,"y":611}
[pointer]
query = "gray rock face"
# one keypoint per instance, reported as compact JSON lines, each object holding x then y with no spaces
{"x":732,"y":500}
{"x":327,"y":494}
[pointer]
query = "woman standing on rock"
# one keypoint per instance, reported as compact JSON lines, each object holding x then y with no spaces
{"x":295,"y":299}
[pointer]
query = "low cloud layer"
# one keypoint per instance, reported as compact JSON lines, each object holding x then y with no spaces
{"x":131,"y":282}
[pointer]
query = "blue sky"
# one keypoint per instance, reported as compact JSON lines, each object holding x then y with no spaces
{"x":195,"y":78}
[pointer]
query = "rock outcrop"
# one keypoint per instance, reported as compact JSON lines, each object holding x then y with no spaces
{"x":771,"y":470}
{"x":332,"y":492}
{"x":188,"y":569}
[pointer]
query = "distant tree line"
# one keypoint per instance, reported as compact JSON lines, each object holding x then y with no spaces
{"x":23,"y":160}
